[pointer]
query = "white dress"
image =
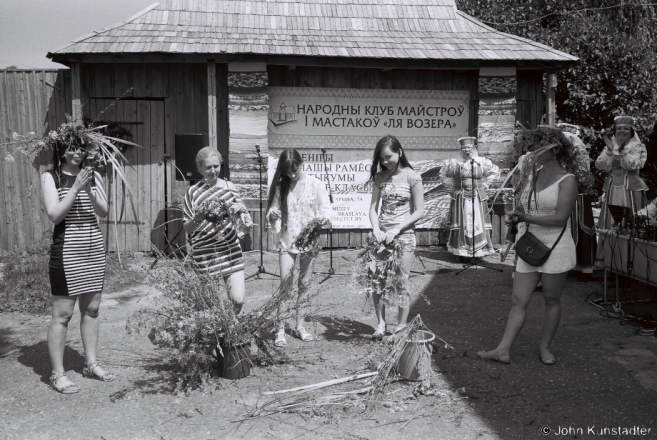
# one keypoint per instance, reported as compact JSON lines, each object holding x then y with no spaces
{"x":314,"y":202}
{"x":564,"y":256}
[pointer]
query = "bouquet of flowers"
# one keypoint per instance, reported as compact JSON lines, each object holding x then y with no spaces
{"x":215,"y":211}
{"x":308,"y":238}
{"x":377,"y":269}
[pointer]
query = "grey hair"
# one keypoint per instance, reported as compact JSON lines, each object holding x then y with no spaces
{"x":206,"y":153}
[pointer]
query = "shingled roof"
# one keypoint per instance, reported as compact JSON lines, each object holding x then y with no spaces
{"x":371,"y":29}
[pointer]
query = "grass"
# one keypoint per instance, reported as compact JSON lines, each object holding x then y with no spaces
{"x":25,"y":285}
{"x":25,"y":282}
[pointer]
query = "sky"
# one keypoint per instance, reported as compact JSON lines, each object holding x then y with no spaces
{"x":29,"y":29}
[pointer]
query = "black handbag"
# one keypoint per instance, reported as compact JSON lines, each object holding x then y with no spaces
{"x":532,"y":250}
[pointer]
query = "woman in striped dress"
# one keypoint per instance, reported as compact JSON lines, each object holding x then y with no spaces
{"x":72,"y":197}
{"x":215,"y":247}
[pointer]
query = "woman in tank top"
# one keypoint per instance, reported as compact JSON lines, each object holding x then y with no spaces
{"x":549,"y":211}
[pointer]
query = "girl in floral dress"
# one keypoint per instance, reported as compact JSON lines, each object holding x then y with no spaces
{"x":397,"y":204}
{"x":295,"y":199}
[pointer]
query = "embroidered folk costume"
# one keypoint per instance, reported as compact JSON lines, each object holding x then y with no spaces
{"x":468,"y":226}
{"x":623,"y":186}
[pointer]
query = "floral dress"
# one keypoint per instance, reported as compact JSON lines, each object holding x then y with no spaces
{"x":396,"y":194}
{"x":313,"y":203}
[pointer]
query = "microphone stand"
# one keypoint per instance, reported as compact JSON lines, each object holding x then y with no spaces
{"x":331,"y":272}
{"x":473,"y":260}
{"x":261,"y":268}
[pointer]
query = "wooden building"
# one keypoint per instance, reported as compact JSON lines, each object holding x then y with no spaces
{"x":169,"y":65}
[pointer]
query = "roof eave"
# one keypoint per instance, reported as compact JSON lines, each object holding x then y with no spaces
{"x":304,"y":60}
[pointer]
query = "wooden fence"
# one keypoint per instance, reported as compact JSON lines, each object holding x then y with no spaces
{"x":30,"y":101}
{"x":38,"y":101}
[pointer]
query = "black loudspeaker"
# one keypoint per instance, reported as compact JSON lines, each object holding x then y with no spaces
{"x":187,"y":145}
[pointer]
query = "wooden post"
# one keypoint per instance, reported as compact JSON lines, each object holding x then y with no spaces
{"x":223,"y":128}
{"x":76,"y":91}
{"x":551,"y":107}
{"x":212,"y":104}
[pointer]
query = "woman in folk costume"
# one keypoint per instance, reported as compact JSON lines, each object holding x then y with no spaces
{"x":622,"y":158}
{"x":462,"y":215}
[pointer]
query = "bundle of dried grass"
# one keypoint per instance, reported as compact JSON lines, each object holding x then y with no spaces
{"x":195,"y":318}
{"x":308,"y":238}
{"x":378,"y":269}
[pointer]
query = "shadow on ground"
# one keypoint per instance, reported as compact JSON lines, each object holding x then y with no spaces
{"x":36,"y":357}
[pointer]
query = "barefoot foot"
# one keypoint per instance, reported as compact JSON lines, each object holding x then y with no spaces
{"x":547,"y":358}
{"x":495,"y":356}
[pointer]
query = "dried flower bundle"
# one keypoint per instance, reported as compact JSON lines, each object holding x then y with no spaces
{"x":99,"y":148}
{"x":308,"y":238}
{"x":377,"y":269}
{"x":215,"y":211}
{"x":195,"y":318}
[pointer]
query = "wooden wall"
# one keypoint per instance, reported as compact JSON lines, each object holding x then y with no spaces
{"x":530,"y":98}
{"x":37,"y":100}
{"x":183,"y":88}
{"x":30,"y":101}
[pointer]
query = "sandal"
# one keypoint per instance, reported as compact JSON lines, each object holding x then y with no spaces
{"x":89,"y":371}
{"x":304,"y":335}
{"x":280,"y":339}
{"x":379,"y":333}
{"x":71,"y":388}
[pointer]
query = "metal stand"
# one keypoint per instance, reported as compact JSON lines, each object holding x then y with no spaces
{"x":331,"y":272}
{"x":473,"y":260}
{"x":261,"y":268}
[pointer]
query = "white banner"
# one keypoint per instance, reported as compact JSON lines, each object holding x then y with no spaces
{"x":349,"y":122}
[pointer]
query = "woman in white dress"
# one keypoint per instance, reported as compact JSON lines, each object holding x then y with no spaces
{"x":550,"y":208}
{"x":295,"y":199}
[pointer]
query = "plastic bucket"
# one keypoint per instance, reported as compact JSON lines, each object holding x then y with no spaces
{"x":415,"y":360}
{"x":235,"y":362}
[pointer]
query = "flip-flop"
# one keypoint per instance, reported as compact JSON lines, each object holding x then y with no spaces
{"x":501,"y":358}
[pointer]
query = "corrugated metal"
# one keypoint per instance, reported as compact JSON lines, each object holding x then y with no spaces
{"x":372,"y":28}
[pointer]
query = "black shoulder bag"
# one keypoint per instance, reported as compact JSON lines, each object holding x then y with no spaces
{"x":532,"y":250}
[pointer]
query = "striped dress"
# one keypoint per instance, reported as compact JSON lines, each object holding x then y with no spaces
{"x":77,"y":254}
{"x":215,"y":249}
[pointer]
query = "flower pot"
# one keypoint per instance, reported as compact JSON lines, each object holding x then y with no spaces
{"x":235,"y":362}
{"x":415,"y":361}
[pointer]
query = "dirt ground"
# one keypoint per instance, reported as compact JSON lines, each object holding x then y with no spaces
{"x":605,"y":376}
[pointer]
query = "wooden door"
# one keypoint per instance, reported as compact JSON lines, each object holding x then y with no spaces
{"x":136,"y":223}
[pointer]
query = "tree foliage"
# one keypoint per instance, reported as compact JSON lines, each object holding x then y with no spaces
{"x":616,"y":42}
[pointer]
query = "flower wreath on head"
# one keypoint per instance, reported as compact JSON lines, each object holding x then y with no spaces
{"x":99,"y":148}
{"x":572,"y":156}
